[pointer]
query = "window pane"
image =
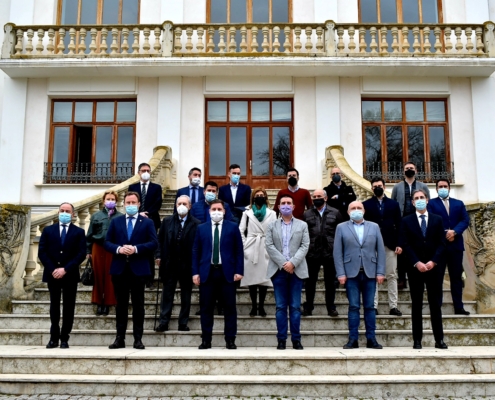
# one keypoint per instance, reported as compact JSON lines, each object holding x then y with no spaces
{"x":61,"y":144}
{"x":69,"y":12}
{"x":373,"y":148}
{"x":261,"y":152}
{"x":111,"y":11}
{"x":394,"y":148}
{"x":126,"y":111}
{"x":217,"y":111}
{"x":410,"y":11}
{"x":84,"y":112}
{"x":261,"y":11}
{"x":414,"y":111}
{"x":238,"y":11}
{"x":430,"y":11}
{"x":130,"y":12}
{"x":89,"y":11}
{"x":369,"y":11}
{"x":281,"y":150}
{"x":435,"y":111}
{"x":62,"y":111}
{"x":218,"y":13}
{"x":103,"y":144}
{"x":437,"y":146}
{"x":125,"y":144}
{"x":104,"y":111}
{"x":281,"y":111}
{"x":416,"y":142}
{"x":238,"y":147}
{"x":393,"y":110}
{"x":260,"y":111}
{"x":238,"y":111}
{"x":280,"y":11}
{"x":218,"y":153}
{"x":388,"y":11}
{"x":372,"y":110}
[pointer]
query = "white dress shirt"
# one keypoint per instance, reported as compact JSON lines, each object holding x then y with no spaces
{"x":418,"y":216}
{"x":134,"y":220}
{"x":61,"y":226}
{"x":213,"y":224}
{"x":233,"y":190}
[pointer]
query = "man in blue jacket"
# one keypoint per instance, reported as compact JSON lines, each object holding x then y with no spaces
{"x":201,"y":209}
{"x":193,"y":190}
{"x":236,"y":194}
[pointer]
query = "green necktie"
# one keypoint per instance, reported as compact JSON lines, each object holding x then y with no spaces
{"x":216,"y":246}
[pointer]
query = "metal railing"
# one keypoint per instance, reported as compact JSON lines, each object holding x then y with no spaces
{"x":394,"y":171}
{"x":87,"y":172}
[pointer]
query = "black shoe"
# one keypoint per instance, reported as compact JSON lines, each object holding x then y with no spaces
{"x":118,"y":344}
{"x":296,"y":345}
{"x":198,"y":312}
{"x":351,"y":344}
{"x":184,"y":328}
{"x":373,"y":344}
{"x":417,"y":345}
{"x":252,"y":313}
{"x":461,"y":311}
{"x":52,"y":344}
{"x":230,"y":345}
{"x":99,"y":310}
{"x":105,"y":310}
{"x":162,"y":328}
{"x":220,"y":311}
{"x":395,"y":311}
{"x":204,"y":345}
{"x":261,"y":311}
{"x":305,"y":312}
{"x":441,"y":345}
{"x":138,"y":344}
{"x":150,"y":285}
{"x":376,"y":311}
{"x":281,"y":344}
{"x":333,"y":313}
{"x":401,"y":285}
{"x":64,"y":345}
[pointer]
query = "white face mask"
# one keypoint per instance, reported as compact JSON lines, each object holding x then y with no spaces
{"x":216,"y":216}
{"x":145,"y":176}
{"x":182,"y":210}
{"x":195,"y":181}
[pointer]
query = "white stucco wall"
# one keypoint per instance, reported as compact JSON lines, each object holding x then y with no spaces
{"x":45,"y":12}
{"x":326,"y":10}
{"x":194,"y":11}
{"x":454,"y":11}
{"x":477,"y":11}
{"x":146,"y":119}
{"x":348,"y":11}
{"x":303,"y":11}
{"x":351,"y":137}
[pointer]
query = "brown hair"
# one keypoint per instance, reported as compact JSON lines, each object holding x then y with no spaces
{"x":132,"y":194}
{"x":259,"y":189}
{"x":110,"y":192}
{"x":218,"y":201}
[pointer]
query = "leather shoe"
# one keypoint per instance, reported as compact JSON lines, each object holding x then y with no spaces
{"x":253,"y":312}
{"x":105,"y":310}
{"x":351,"y":344}
{"x":198,"y":312}
{"x":417,"y":345}
{"x":204,"y":345}
{"x":184,"y":328}
{"x":281,"y":345}
{"x":138,"y":344}
{"x":441,"y":345}
{"x":373,"y":344}
{"x":99,"y":310}
{"x":296,"y":345}
{"x":230,"y":345}
{"x":118,"y":344}
{"x":395,"y":311}
{"x":64,"y":345}
{"x":461,"y":311}
{"x":305,"y":312}
{"x":52,"y":344}
{"x":333,"y":313}
{"x":261,"y":311}
{"x":376,"y":311}
{"x":162,"y":328}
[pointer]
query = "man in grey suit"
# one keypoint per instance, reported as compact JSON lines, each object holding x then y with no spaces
{"x":359,"y":256}
{"x":287,"y":242}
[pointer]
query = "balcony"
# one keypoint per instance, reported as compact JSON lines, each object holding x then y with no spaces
{"x":76,"y":173}
{"x":393,"y":172}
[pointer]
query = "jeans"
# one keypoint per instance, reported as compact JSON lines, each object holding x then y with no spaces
{"x":287,"y":288}
{"x":355,"y":287}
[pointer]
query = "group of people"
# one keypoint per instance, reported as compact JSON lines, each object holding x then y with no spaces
{"x":223,"y":238}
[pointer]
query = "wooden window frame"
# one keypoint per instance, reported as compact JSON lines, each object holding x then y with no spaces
{"x":400,"y":15}
{"x":99,"y":12}
{"x":249,"y":12}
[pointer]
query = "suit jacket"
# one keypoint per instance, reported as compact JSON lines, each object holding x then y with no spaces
{"x":143,"y":237}
{"x":53,"y":254}
{"x":399,"y":195}
{"x":419,"y":248}
{"x":174,"y":259}
{"x":321,"y":238}
{"x":349,"y":255}
{"x":457,"y":219}
{"x":298,"y":247}
{"x":153,"y":201}
{"x":242,"y":199}
{"x":345,"y":197}
{"x":389,"y":220}
{"x":186,"y":192}
{"x":201,"y":211}
{"x":231,"y":251}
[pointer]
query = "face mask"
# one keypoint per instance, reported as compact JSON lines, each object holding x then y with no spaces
{"x":292,"y":181}
{"x":209,"y":197}
{"x":145,"y":176}
{"x":357,"y":215}
{"x":318,"y":202}
{"x":420,"y":204}
{"x":410,"y":173}
{"x":131,"y":210}
{"x":195,"y":181}
{"x":336,"y":178}
{"x":235,"y":179}
{"x":286,"y":210}
{"x":378,"y":191}
{"x":110,"y":204}
{"x":260,"y":201}
{"x":443,"y":193}
{"x":182,"y":210}
{"x":216,"y":216}
{"x":64,"y":218}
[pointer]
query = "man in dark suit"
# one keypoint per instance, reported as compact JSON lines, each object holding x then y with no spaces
{"x":193,"y":190}
{"x":61,"y":251}
{"x":339,"y":194}
{"x":455,"y":221}
{"x":236,"y":194}
{"x":174,"y":255}
{"x":131,"y":238}
{"x":201,"y":210}
{"x":423,"y":240}
{"x":218,"y":262}
{"x":386,"y":213}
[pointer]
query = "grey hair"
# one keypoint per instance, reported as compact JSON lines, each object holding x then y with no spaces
{"x":186,"y":196}
{"x":70,"y":204}
{"x":324,"y":191}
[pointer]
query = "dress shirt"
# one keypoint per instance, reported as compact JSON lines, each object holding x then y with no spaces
{"x":359,"y":229}
{"x":446,"y":203}
{"x":184,"y":218}
{"x":286,"y":234}
{"x":134,"y":220}
{"x":419,"y":219}
{"x":233,"y":190}
{"x":294,"y":190}
{"x":322,"y":210}
{"x":147,"y":184}
{"x":61,"y":226}
{"x":213,"y":224}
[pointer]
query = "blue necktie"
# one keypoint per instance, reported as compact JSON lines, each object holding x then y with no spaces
{"x":64,"y":233}
{"x":423,"y":224}
{"x":129,"y":227}
{"x":193,"y":195}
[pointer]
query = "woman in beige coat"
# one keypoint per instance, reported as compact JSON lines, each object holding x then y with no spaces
{"x":254,"y":222}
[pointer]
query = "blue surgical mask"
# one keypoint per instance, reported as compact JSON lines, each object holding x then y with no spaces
{"x":64,"y":218}
{"x":235,"y":179}
{"x":131,"y":210}
{"x":209,"y":197}
{"x":420,"y":204}
{"x":357,"y":215}
{"x":443,"y":193}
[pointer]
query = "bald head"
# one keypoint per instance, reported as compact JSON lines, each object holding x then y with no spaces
{"x":356,"y":211}
{"x":319,"y":194}
{"x":355,"y":205}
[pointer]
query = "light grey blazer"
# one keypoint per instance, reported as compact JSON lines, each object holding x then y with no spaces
{"x":349,"y":254}
{"x":298,"y":247}
{"x":399,"y":194}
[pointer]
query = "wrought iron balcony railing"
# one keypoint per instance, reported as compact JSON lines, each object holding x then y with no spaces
{"x":87,"y":172}
{"x":394,"y":171}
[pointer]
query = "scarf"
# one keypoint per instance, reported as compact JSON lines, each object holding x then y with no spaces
{"x":111,"y":211}
{"x":259,"y":213}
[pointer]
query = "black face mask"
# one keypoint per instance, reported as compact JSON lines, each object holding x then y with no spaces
{"x":336,"y":178}
{"x":409,"y":173}
{"x":292,"y":181}
{"x":318,"y":202}
{"x":378,"y":191}
{"x":260,"y":201}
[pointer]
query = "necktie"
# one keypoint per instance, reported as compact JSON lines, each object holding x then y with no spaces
{"x":129,"y":227}
{"x":143,"y":197}
{"x":446,"y":204}
{"x":423,"y":224}
{"x":64,"y":233}
{"x":193,"y":194}
{"x":216,"y":246}
{"x":181,"y":227}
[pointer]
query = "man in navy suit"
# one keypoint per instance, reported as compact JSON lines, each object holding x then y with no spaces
{"x":218,"y":262}
{"x":61,"y":251}
{"x":201,"y":210}
{"x":131,"y":238}
{"x":193,"y":190}
{"x":236,"y":194}
{"x":455,"y":221}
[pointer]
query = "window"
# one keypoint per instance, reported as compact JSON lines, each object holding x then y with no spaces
{"x":91,"y":141}
{"x":400,"y":11}
{"x":400,"y":130}
{"x":83,"y":12}
{"x":241,"y":11}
